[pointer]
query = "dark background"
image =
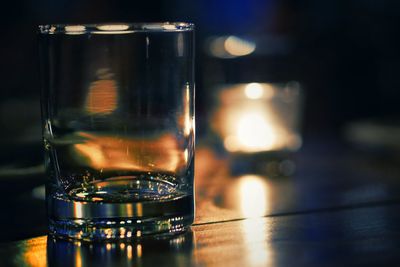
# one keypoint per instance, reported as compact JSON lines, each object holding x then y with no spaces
{"x":345,"y":53}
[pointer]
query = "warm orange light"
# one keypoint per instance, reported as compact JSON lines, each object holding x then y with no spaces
{"x":258,"y":91}
{"x":186,"y":112}
{"x":35,"y":252}
{"x":113,"y":27}
{"x":257,"y":117}
{"x":253,"y":91}
{"x":112,"y":153}
{"x":139,"y":250}
{"x":129,"y":252}
{"x":102,"y":97}
{"x":255,"y":133}
{"x":256,"y":232}
{"x":254,"y":202}
{"x":75,"y":29}
{"x":230,"y":46}
{"x":239,"y":47}
{"x":78,"y":210}
{"x":253,"y":196}
{"x":78,"y":257}
{"x":251,"y":131}
{"x":169,"y":27}
{"x":186,"y":118}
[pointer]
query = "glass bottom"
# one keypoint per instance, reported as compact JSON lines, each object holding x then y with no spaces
{"x":119,"y":228}
{"x":124,"y":208}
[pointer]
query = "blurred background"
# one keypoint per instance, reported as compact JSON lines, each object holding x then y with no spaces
{"x":344,"y":53}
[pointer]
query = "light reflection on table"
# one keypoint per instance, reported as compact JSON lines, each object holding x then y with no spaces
{"x":249,"y":194}
{"x":256,"y":233}
{"x":124,"y":253}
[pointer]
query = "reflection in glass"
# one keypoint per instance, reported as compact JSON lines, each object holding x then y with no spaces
{"x":102,"y":96}
{"x":108,"y":153}
{"x":113,"y":27}
{"x":34,"y":253}
{"x":75,"y":29}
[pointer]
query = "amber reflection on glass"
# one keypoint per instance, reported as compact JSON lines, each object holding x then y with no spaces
{"x":113,"y":29}
{"x":102,"y":94}
{"x":75,"y":29}
{"x":257,"y":117}
{"x":111,"y":153}
{"x":185,"y":120}
{"x":34,"y":253}
{"x":78,"y":210}
{"x":256,"y":235}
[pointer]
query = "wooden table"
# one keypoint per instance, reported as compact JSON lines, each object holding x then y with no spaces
{"x":340,"y":208}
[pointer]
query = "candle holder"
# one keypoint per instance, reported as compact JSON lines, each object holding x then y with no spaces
{"x":258,"y":125}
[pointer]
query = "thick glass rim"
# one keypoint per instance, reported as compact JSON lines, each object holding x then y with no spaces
{"x":115,"y":28}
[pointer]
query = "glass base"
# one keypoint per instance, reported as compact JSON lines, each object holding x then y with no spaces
{"x":127,"y":209}
{"x":119,"y":228}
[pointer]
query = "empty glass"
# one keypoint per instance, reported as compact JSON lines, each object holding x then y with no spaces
{"x":118,"y":128}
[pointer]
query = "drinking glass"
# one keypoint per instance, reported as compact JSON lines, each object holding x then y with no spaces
{"x":118,"y":128}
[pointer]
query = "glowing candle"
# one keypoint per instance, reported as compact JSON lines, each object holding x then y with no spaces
{"x":259,"y":117}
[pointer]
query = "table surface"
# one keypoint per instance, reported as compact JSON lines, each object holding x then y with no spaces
{"x":340,"y":207}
